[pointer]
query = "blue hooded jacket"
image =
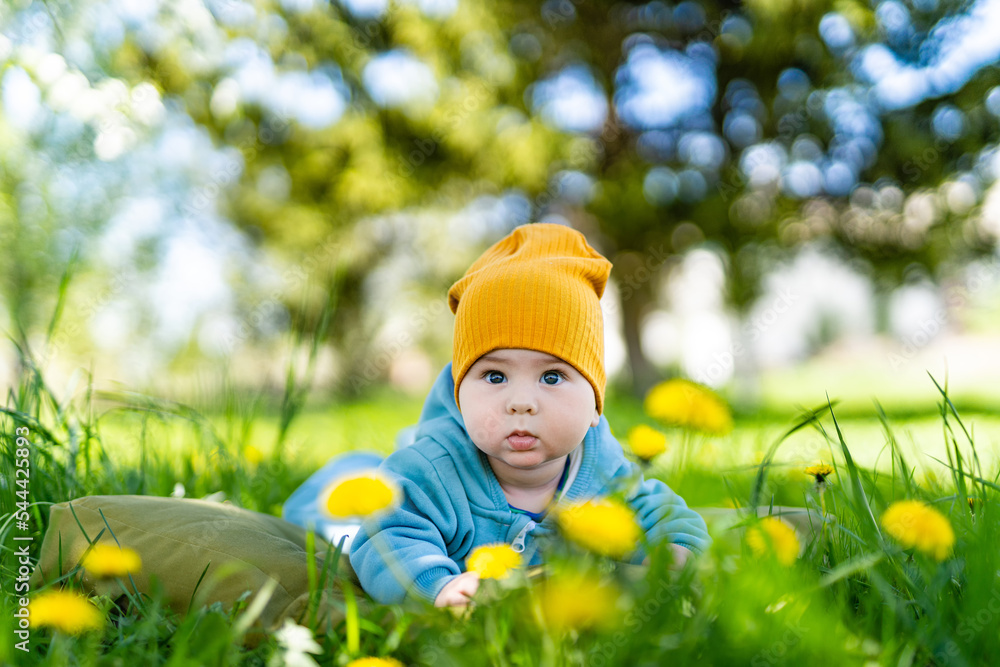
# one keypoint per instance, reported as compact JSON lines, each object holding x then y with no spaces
{"x":453,"y":503}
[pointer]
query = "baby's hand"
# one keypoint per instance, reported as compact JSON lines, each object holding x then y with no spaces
{"x":458,"y":591}
{"x":681,"y":555}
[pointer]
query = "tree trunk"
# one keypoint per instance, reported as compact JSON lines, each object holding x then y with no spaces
{"x":636,"y":298}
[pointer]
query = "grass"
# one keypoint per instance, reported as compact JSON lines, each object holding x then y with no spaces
{"x":854,"y":596}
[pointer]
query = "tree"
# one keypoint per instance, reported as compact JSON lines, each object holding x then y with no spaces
{"x":751,"y":127}
{"x":442,"y":140}
{"x":774,"y":141}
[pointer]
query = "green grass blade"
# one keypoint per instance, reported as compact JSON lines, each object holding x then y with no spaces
{"x":809,"y":418}
{"x":862,"y":563}
{"x":861,"y":499}
{"x":198,"y":585}
{"x":976,"y":478}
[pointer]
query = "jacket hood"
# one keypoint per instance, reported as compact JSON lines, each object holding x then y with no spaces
{"x":440,"y":410}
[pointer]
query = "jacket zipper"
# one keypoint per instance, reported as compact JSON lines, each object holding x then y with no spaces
{"x":518,"y":544}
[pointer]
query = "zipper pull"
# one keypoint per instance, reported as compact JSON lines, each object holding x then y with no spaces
{"x":518,"y":544}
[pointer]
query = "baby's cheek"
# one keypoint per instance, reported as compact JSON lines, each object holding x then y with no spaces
{"x":487,"y":427}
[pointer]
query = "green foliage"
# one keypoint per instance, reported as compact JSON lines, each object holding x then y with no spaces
{"x":480,"y":134}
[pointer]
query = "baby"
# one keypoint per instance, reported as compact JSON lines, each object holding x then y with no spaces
{"x":512,"y":426}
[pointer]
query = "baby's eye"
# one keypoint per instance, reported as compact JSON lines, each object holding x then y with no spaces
{"x":552,"y":377}
{"x":494,"y":377}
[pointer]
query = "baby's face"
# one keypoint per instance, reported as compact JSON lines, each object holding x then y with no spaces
{"x":524,"y":408}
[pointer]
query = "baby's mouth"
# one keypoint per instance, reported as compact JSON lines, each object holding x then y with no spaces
{"x":521,"y":440}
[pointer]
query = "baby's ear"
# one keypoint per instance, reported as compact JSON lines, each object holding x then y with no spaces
{"x":597,"y":418}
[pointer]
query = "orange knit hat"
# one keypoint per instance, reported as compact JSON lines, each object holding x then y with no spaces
{"x":538,"y":288}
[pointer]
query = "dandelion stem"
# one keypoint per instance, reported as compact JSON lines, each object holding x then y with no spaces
{"x":311,"y":575}
{"x":353,"y":628}
{"x":822,"y":507}
{"x":686,"y":449}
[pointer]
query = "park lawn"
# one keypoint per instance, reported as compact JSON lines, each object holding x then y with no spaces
{"x":325,"y":429}
{"x":851,"y":593}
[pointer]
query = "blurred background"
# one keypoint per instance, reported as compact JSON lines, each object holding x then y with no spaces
{"x":204,"y":198}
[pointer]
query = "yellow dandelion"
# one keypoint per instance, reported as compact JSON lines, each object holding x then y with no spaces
{"x":66,"y":611}
{"x":375,"y":662}
{"x":361,"y":495}
{"x":820,"y":472}
{"x":689,"y":405}
{"x":105,"y":561}
{"x":605,"y":527}
{"x":646,"y":442}
{"x":578,"y":602}
{"x":252,"y":455}
{"x":915,"y":524}
{"x":493,"y":561}
{"x":772,"y":535}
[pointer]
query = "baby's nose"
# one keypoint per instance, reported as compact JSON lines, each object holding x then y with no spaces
{"x":522,"y":401}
